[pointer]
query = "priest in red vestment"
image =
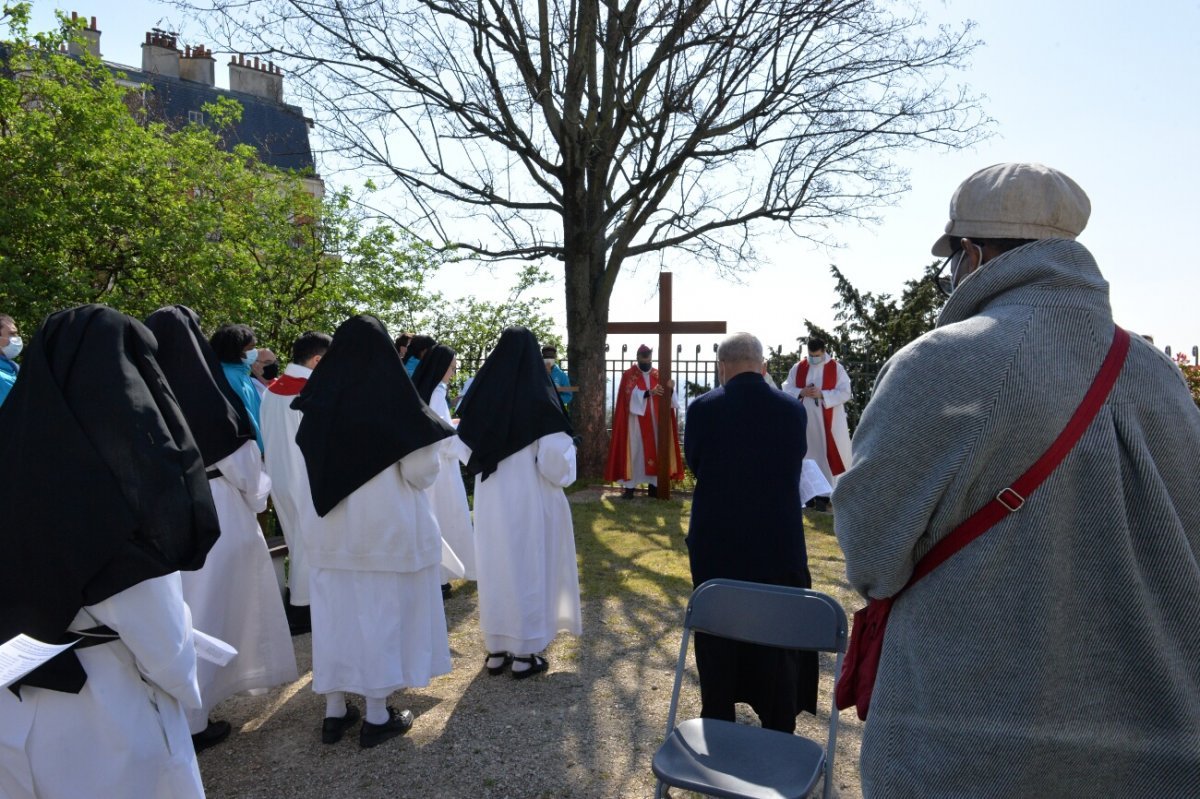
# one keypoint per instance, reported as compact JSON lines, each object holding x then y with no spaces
{"x":633,"y":453}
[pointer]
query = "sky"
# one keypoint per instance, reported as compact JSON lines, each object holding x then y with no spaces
{"x":1107,"y":92}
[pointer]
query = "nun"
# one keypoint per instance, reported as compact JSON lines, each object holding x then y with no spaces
{"x":371,"y":448}
{"x":105,"y":502}
{"x":520,"y":448}
{"x":448,"y":494}
{"x":236,"y":596}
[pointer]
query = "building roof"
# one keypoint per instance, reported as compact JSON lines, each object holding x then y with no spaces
{"x":278,"y":131}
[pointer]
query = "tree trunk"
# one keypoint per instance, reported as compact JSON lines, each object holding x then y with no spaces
{"x":587,"y":323}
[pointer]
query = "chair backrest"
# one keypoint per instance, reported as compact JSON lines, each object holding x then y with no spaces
{"x":774,"y":615}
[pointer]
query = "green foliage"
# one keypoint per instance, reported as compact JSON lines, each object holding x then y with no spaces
{"x":870,"y":329}
{"x":101,"y":203}
{"x":471,"y":326}
{"x":1191,"y":373}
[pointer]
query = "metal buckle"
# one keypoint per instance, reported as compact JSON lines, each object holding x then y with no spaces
{"x":1010,"y":499}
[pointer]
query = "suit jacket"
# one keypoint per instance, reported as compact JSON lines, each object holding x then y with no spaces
{"x":745,"y":442}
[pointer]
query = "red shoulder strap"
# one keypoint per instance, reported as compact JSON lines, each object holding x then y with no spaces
{"x":1010,"y":499}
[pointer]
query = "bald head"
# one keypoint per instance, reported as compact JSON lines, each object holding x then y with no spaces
{"x":738,"y":353}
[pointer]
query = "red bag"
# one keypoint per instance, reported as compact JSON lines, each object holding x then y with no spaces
{"x":862,"y":656}
{"x":857,"y":682}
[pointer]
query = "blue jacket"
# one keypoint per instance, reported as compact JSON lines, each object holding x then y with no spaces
{"x":238,"y":375}
{"x":8,"y":376}
{"x":560,"y":379}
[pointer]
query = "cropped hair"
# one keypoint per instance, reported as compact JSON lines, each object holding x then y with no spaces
{"x":309,"y":345}
{"x":230,"y":342}
{"x":740,"y":347}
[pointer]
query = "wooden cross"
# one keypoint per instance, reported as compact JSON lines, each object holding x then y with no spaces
{"x":665,"y":327}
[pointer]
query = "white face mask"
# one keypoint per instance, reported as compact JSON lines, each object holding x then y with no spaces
{"x":250,"y":357}
{"x":816,"y":360}
{"x":13,"y":348}
{"x":548,"y":361}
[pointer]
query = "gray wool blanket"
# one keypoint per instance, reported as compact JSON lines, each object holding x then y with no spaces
{"x":1059,"y":654}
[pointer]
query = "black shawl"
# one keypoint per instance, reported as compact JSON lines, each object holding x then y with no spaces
{"x":217,"y":417}
{"x":431,"y":370}
{"x":361,"y":413}
{"x":103,"y":486}
{"x":511,"y":404}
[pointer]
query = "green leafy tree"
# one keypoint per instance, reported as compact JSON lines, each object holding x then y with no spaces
{"x":99,"y":202}
{"x":870,"y":329}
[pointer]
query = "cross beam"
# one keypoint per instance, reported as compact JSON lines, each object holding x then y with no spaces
{"x":665,"y":327}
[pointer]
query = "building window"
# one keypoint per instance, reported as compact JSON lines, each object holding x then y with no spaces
{"x":195,"y":117}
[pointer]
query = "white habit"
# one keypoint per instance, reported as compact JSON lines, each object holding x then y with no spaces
{"x":124,"y":734}
{"x":289,"y":479}
{"x":235,"y":596}
{"x":448,"y":496}
{"x":639,"y":405}
{"x":525,"y":548}
{"x":377,"y":616}
{"x":836,"y":399}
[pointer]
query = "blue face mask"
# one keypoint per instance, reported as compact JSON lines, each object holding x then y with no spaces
{"x":250,"y":357}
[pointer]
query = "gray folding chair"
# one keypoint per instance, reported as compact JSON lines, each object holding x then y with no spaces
{"x":721,"y":758}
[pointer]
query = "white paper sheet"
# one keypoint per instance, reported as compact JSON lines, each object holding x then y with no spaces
{"x":21,"y":655}
{"x":214,"y":650}
{"x":813,"y":482}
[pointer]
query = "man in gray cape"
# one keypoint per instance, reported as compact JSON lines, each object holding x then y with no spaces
{"x":1059,"y":653}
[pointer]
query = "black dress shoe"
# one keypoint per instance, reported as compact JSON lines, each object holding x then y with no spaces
{"x":398,"y":723}
{"x":333,"y":727}
{"x":652,"y":490}
{"x":627,"y":493}
{"x":446,"y":589}
{"x":210,"y":736}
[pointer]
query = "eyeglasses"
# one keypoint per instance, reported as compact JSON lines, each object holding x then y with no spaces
{"x":943,"y":282}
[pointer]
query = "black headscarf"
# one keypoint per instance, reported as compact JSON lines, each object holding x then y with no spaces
{"x":217,"y":417}
{"x":431,"y":370}
{"x":361,"y":413}
{"x":103,"y":484}
{"x":511,"y":404}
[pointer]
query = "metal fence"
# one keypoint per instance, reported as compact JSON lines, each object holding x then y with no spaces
{"x":696,"y":376}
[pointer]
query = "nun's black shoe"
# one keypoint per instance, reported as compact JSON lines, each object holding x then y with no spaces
{"x":210,"y":736}
{"x":652,"y":490}
{"x":398,"y":723}
{"x":506,"y":660}
{"x":537,"y":664}
{"x":333,"y":727}
{"x":446,"y":589}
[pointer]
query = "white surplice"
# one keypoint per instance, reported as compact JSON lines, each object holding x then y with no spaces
{"x":124,"y":734}
{"x":290,"y":491}
{"x":448,"y":496}
{"x":377,"y":616}
{"x":235,"y":596}
{"x":525,"y":548}
{"x":836,"y":399}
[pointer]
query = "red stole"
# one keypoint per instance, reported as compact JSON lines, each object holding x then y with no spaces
{"x":287,"y":385}
{"x":828,"y":383}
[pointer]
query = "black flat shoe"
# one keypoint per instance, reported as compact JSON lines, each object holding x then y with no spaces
{"x":446,"y":589}
{"x":397,"y":724}
{"x":537,"y":664}
{"x":210,"y":736}
{"x":333,"y":727}
{"x":494,"y":670}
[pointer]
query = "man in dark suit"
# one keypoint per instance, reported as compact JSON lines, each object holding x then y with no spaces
{"x":745,"y":442}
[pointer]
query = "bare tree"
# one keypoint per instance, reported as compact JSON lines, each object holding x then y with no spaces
{"x":597,"y":131}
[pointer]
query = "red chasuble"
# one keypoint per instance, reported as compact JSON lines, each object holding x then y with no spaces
{"x":287,"y":385}
{"x":828,"y":383}
{"x":619,"y":466}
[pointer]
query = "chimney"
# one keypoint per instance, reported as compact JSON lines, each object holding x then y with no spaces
{"x":261,"y":80}
{"x":91,"y":38}
{"x":160,"y":53}
{"x":197,"y":64}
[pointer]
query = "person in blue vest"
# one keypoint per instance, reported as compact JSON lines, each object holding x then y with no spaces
{"x":10,"y":348}
{"x":235,"y":348}
{"x":557,"y":375}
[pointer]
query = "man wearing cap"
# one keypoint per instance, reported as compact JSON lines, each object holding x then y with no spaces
{"x":633,"y":451}
{"x":1057,"y":654}
{"x":557,"y":375}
